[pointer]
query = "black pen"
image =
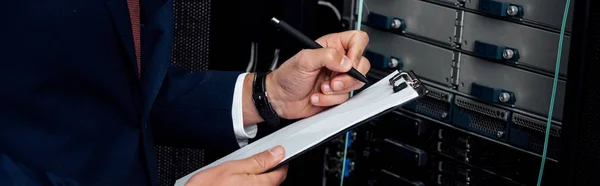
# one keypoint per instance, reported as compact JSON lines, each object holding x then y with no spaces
{"x":311,"y":44}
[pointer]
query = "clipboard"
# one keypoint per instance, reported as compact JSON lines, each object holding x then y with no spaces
{"x":301,"y":136}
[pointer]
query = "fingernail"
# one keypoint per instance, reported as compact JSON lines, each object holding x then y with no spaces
{"x":276,"y":151}
{"x":314,"y":99}
{"x":346,"y":62}
{"x":338,"y":85}
{"x":327,"y":87}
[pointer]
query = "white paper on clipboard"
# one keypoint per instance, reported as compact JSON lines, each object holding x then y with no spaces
{"x":309,"y":132}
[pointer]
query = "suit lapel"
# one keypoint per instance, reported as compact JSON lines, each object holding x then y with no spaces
{"x":120,"y":15}
{"x":157,"y":33}
{"x":157,"y":37}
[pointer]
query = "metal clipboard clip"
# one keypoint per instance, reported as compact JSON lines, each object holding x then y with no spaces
{"x":410,"y":79}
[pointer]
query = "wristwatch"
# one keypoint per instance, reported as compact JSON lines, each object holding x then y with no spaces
{"x":261,"y":100}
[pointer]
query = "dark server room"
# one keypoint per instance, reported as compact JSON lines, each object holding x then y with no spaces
{"x":490,"y":69}
{"x":489,"y":66}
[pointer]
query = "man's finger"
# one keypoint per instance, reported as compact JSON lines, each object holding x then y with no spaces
{"x":332,"y":59}
{"x":324,"y":100}
{"x":353,"y":42}
{"x":363,"y":65}
{"x":275,"y":177}
{"x":344,"y":83}
{"x":260,"y":162}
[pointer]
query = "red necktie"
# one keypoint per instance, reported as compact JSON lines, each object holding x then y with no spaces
{"x":134,"y":14}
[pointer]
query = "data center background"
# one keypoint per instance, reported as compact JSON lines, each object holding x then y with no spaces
{"x":460,"y":136}
{"x":489,"y":66}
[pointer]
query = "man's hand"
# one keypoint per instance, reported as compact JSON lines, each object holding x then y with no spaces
{"x":247,"y":171}
{"x":313,"y":80}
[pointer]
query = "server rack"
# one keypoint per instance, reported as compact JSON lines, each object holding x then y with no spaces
{"x":489,"y":65}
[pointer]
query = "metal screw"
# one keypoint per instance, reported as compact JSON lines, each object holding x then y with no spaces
{"x":393,"y":63}
{"x":504,"y":97}
{"x":444,"y":115}
{"x":500,"y":133}
{"x":508,"y":54}
{"x":396,"y":24}
{"x":512,"y":10}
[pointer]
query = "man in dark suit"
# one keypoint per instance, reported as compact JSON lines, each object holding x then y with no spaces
{"x":86,"y":91}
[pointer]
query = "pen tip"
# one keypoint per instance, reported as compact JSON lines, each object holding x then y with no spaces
{"x":354,"y":73}
{"x":275,"y":20}
{"x":364,"y":80}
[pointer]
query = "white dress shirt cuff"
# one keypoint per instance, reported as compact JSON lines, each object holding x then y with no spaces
{"x":242,"y":134}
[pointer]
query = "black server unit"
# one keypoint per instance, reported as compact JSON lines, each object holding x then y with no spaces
{"x":489,"y":66}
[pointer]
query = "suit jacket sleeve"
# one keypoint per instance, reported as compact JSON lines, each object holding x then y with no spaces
{"x":194,"y":110}
{"x":13,"y":173}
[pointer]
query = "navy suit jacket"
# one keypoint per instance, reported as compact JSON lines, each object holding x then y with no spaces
{"x":74,"y":110}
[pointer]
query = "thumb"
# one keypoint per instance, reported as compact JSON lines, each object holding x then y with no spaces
{"x":332,"y":59}
{"x":261,"y":162}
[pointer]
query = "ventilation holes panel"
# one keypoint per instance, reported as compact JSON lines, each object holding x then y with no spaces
{"x":481,"y":108}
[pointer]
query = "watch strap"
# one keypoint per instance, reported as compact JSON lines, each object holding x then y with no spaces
{"x":261,"y":99}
